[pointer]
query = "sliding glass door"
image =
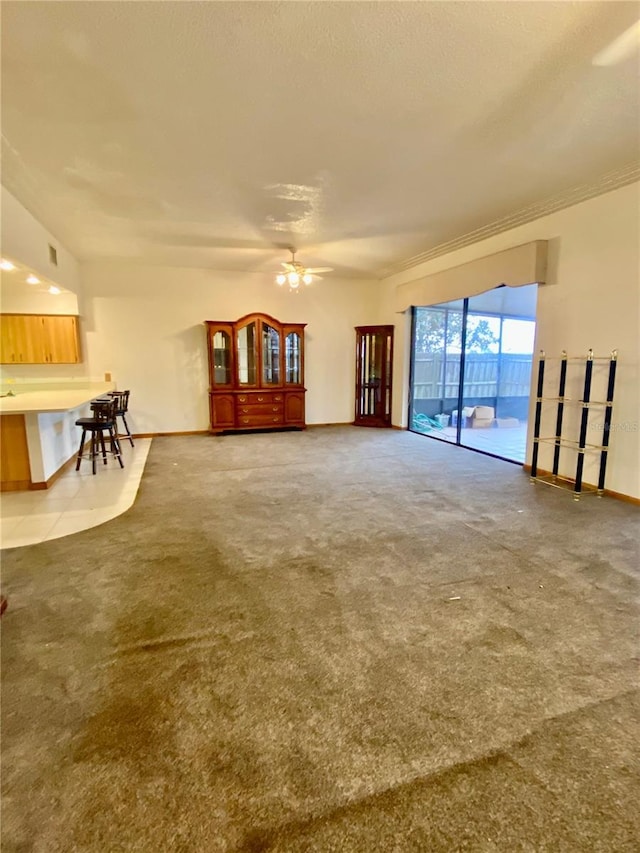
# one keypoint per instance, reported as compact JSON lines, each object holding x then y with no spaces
{"x":471,"y":370}
{"x":437,"y":344}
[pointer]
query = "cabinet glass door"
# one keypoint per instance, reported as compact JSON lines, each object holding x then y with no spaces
{"x":247,"y":355}
{"x":270,"y":355}
{"x":292,"y":358}
{"x":221,"y":358}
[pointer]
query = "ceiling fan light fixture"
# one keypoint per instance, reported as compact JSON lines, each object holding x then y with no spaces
{"x":296,"y":274}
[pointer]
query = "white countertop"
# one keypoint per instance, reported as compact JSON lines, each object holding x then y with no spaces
{"x":60,"y":400}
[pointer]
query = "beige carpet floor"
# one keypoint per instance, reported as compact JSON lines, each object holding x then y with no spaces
{"x":334,"y":640}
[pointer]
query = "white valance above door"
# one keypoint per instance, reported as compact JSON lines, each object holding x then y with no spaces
{"x":520,"y":265}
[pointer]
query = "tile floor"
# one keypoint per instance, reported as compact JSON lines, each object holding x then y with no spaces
{"x":76,"y":501}
{"x":509,"y":443}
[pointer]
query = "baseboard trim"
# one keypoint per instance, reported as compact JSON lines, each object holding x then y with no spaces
{"x":337,"y":424}
{"x":16,"y":486}
{"x":39,"y":485}
{"x":161,"y":434}
{"x":619,"y":496}
{"x":70,"y":461}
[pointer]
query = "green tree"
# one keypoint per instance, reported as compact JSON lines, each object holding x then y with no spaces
{"x":430,"y":327}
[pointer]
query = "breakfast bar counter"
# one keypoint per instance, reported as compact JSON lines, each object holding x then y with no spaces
{"x":38,"y":433}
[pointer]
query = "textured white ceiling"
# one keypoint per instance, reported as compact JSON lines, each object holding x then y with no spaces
{"x":365,"y":134}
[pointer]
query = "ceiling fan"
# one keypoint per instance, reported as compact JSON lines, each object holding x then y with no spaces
{"x":296,"y":273}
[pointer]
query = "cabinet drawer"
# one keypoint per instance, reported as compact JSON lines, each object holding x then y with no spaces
{"x":258,"y":398}
{"x":260,"y":409}
{"x":260,"y":420}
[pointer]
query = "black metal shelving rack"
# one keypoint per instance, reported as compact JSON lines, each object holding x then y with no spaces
{"x":580,"y":445}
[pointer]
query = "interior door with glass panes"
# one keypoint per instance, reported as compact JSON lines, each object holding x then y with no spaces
{"x":374,"y":368}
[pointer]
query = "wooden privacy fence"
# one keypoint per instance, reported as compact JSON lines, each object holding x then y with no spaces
{"x":486,"y":375}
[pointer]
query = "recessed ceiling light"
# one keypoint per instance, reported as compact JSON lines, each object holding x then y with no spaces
{"x":32,"y":279}
{"x":7,"y":265}
{"x":55,"y":290}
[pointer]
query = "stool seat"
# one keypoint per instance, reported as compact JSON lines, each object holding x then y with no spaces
{"x":103,"y":421}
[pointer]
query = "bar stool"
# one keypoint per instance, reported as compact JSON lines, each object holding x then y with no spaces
{"x":103,"y":420}
{"x":122,"y":398}
{"x":121,"y":411}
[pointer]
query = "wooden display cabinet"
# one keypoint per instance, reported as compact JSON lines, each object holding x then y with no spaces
{"x":256,"y":374}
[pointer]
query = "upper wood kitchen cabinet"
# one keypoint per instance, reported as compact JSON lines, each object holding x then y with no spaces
{"x":39,"y":339}
{"x":61,"y":339}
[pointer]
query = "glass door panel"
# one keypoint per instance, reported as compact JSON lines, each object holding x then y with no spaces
{"x":435,"y":384}
{"x":292,"y":358}
{"x":487,"y":343}
{"x":247,"y":355}
{"x":270,"y":355}
{"x":222,"y":358}
{"x":498,"y":359}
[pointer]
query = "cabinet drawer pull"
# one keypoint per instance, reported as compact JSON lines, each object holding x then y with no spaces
{"x":275,"y":420}
{"x":245,"y":410}
{"x":274,"y":409}
{"x":245,"y":420}
{"x":278,"y":397}
{"x":242,"y":399}
{"x":260,"y":399}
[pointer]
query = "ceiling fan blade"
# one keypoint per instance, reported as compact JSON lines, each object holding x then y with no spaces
{"x":287,"y":265}
{"x":313,"y":270}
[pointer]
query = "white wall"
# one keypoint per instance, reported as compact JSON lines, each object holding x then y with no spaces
{"x":591,"y":300}
{"x":145,"y":326}
{"x":16,"y":297}
{"x":26,"y":241}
